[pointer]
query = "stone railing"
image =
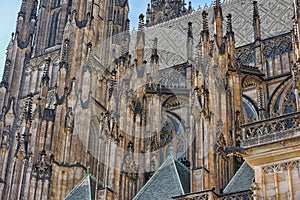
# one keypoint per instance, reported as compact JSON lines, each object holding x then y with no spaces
{"x":211,"y":195}
{"x":203,"y":195}
{"x":244,"y":195}
{"x":271,"y":130}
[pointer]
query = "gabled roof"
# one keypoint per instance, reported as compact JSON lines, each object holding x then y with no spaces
{"x":84,"y":190}
{"x":275,"y":16}
{"x":241,"y":181}
{"x":171,"y":179}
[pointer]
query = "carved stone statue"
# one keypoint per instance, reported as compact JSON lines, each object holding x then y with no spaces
{"x":69,"y":123}
{"x":5,"y":137}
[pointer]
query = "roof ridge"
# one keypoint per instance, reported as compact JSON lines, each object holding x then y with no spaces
{"x":182,"y":165}
{"x":77,"y":186}
{"x":169,"y":161}
{"x":177,"y":174}
{"x":234,"y":178}
{"x":152,"y":178}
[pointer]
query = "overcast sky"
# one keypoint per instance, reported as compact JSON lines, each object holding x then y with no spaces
{"x":10,"y":8}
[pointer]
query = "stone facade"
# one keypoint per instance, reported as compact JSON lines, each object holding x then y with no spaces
{"x":80,"y":92}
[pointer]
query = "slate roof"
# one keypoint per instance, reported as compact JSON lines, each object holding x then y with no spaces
{"x":241,"y":181}
{"x":275,"y":16}
{"x":171,"y":179}
{"x":84,"y":190}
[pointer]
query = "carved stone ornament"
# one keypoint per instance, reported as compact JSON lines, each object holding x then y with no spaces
{"x":69,"y":122}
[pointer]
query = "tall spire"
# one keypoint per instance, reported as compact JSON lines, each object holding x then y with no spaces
{"x":154,"y":56}
{"x":154,"y":61}
{"x":231,"y":40}
{"x":190,"y":42}
{"x":205,"y":30}
{"x":140,"y":43}
{"x":218,"y":23}
{"x":190,"y":9}
{"x":141,"y":22}
{"x":256,"y":22}
{"x":229,"y":23}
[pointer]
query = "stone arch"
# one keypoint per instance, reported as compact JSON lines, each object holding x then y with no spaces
{"x":93,"y":141}
{"x":251,"y":80}
{"x":178,"y":138}
{"x":253,"y":98}
{"x":174,"y":101}
{"x":54,"y":28}
{"x":250,"y":110}
{"x":280,"y":97}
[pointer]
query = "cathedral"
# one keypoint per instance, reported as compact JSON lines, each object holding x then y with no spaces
{"x":193,"y":105}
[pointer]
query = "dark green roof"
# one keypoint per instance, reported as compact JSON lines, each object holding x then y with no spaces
{"x":84,"y":190}
{"x":241,"y":181}
{"x":171,"y":179}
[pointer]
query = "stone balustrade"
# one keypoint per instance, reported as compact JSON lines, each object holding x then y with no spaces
{"x":271,"y":130}
{"x":211,"y":195}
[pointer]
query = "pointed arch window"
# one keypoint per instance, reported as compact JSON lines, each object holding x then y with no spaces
{"x":285,"y":103}
{"x":53,"y":29}
{"x":251,"y":61}
{"x":56,"y":3}
{"x":289,"y":104}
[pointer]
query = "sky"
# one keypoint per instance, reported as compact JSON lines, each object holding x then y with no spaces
{"x":10,"y":8}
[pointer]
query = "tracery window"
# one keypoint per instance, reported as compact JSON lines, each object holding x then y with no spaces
{"x":285,"y":103}
{"x":278,"y":56}
{"x":246,"y":57}
{"x":289,"y":105}
{"x":251,"y":60}
{"x":53,"y":29}
{"x":56,"y":3}
{"x":166,"y":135}
{"x":171,"y":135}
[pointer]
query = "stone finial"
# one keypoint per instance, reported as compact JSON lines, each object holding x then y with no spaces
{"x":154,"y":56}
{"x":128,"y":25}
{"x":154,"y":49}
{"x":190,"y":29}
{"x":45,"y":77}
{"x":190,"y":7}
{"x":256,"y":21}
{"x":28,"y":108}
{"x":190,"y":41}
{"x":229,"y":23}
{"x":205,"y":21}
{"x":148,"y":8}
{"x":255,"y":10}
{"x":218,"y":23}
{"x":65,"y":50}
{"x":218,"y":3}
{"x":141,"y":22}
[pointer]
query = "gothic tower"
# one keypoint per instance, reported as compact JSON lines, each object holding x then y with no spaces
{"x":192,"y":105}
{"x":43,"y":151}
{"x":163,"y":10}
